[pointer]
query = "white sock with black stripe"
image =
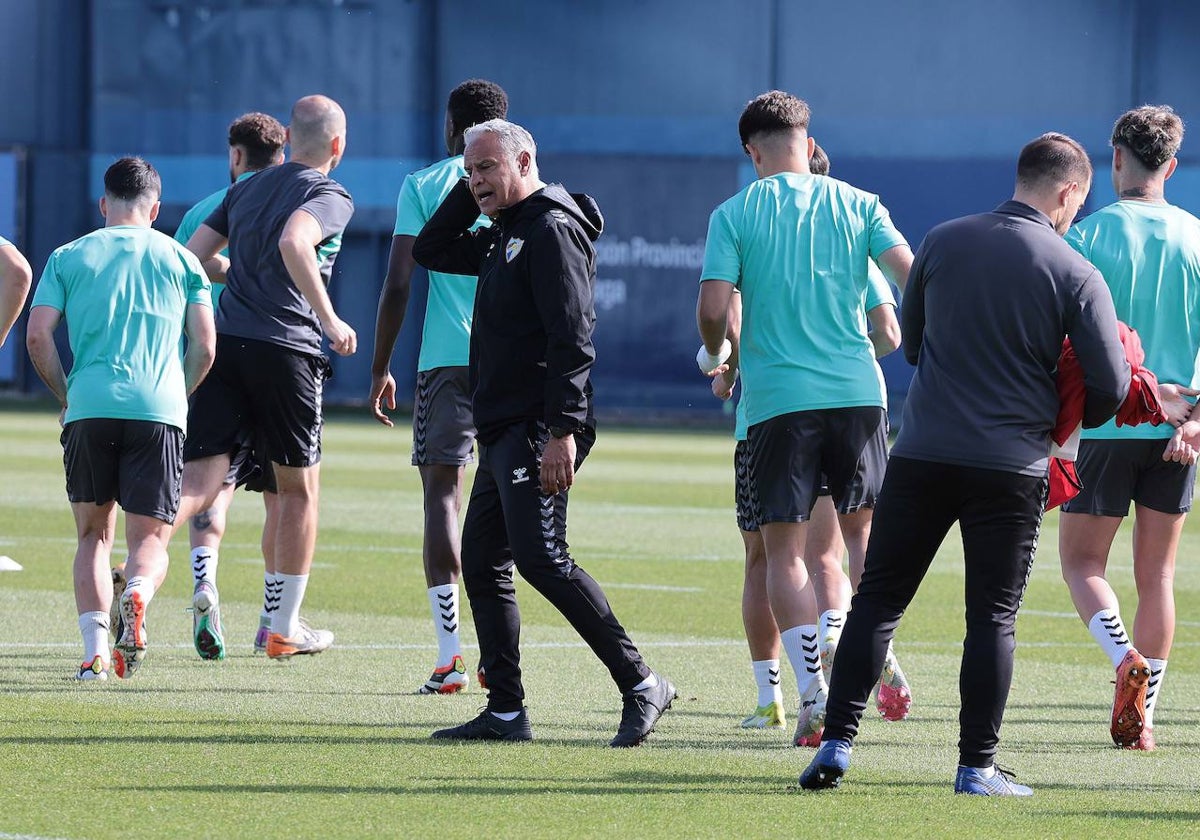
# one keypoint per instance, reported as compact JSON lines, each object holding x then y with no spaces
{"x":204,"y":565}
{"x":804,"y":654}
{"x":272,"y":589}
{"x":1158,"y":670}
{"x":766,"y":676}
{"x":1107,"y":629}
{"x":443,"y":604}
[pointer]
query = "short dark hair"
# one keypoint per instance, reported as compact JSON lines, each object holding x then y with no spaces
{"x":132,"y":178}
{"x":1053,"y":158}
{"x":1153,"y":133}
{"x":818,"y":164}
{"x":773,"y":111}
{"x":261,"y":135}
{"x":476,"y":101}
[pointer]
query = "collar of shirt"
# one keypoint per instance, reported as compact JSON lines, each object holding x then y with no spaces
{"x":1020,"y":208}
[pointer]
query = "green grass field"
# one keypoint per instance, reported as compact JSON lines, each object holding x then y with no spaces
{"x":337,"y":745}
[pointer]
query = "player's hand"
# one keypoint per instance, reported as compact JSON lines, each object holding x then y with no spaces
{"x":342,"y":338}
{"x":558,"y":465}
{"x":383,"y":394}
{"x":709,"y":362}
{"x":1172,"y":398}
{"x":1184,"y":445}
{"x":723,"y":380}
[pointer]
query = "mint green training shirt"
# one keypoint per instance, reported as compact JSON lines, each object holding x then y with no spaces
{"x":124,"y":293}
{"x":879,"y":292}
{"x":1149,"y":255}
{"x":4,"y":242}
{"x":195,"y":217}
{"x":446,"y":336}
{"x":797,"y":246}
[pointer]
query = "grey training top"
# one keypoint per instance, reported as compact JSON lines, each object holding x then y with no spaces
{"x":260,"y":300}
{"x":988,"y":302}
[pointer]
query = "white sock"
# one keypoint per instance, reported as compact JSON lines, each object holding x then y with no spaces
{"x":1158,"y":670}
{"x":507,"y":716}
{"x":204,"y":565}
{"x":650,"y":682}
{"x":443,"y":603}
{"x":286,"y":619}
{"x":1107,"y":629}
{"x":987,"y":772}
{"x":766,"y":676}
{"x":829,"y":626}
{"x":93,"y":626}
{"x":142,"y":585}
{"x":272,"y":587}
{"x":805,"y":657}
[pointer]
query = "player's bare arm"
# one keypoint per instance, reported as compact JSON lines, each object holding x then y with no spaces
{"x":15,"y":280}
{"x":297,"y":244}
{"x":393,"y":302}
{"x":895,"y":263}
{"x":39,"y":339}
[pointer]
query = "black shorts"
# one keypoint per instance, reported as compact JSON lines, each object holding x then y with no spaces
{"x":443,"y":432}
{"x":745,"y":495}
{"x":1116,"y":472}
{"x":791,"y":455}
{"x":137,"y":463}
{"x":261,"y":392}
{"x":250,"y":469}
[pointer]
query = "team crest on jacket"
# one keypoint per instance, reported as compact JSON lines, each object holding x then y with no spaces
{"x":512,"y":248}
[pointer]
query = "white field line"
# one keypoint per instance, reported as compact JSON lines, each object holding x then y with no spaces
{"x":6,"y":836}
{"x":392,"y":549}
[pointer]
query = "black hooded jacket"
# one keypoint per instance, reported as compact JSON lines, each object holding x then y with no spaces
{"x":531,"y":336}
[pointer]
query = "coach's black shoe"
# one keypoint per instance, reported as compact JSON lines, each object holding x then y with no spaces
{"x":641,"y":712}
{"x":488,"y":727}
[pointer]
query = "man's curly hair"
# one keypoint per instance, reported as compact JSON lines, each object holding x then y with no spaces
{"x":476,"y":101}
{"x":773,"y":111}
{"x":1153,"y":133}
{"x":261,"y":135}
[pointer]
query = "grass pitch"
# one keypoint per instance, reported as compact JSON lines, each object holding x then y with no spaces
{"x":337,"y":745}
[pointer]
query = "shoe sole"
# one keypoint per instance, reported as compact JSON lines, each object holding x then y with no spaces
{"x":128,"y":655}
{"x":287,"y":651}
{"x":444,"y":688}
{"x":1129,"y":706}
{"x":209,"y":644}
{"x":893,"y":703}
{"x":825,"y":778}
{"x":812,"y":739}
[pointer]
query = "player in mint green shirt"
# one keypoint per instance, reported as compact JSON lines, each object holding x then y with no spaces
{"x":15,"y":279}
{"x":443,"y":431}
{"x":1149,"y":254}
{"x":256,"y":142}
{"x":797,"y":247}
{"x":129,"y":295}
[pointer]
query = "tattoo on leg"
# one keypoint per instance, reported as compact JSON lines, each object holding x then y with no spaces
{"x":203,"y":520}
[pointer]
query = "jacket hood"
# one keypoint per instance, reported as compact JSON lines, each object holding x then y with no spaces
{"x":581,"y":207}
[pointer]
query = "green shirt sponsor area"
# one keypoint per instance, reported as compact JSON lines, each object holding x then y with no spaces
{"x":446,"y":336}
{"x":798,"y":247}
{"x":124,"y":292}
{"x":195,"y":217}
{"x":1149,"y":255}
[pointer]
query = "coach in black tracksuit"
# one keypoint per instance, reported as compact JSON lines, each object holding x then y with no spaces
{"x":530,"y":362}
{"x":990,"y":298}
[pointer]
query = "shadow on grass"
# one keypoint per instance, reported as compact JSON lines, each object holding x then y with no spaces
{"x":641,"y":782}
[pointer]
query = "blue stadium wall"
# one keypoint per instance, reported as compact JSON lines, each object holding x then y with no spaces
{"x":634,"y":101}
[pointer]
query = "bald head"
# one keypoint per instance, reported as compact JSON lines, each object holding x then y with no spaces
{"x":318,"y":131}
